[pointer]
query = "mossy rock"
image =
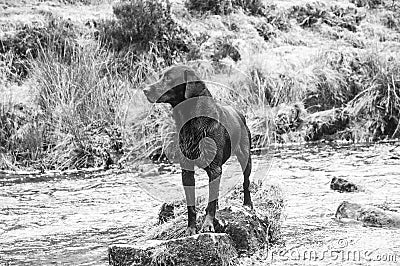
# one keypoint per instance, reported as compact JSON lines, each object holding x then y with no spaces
{"x":247,"y":230}
{"x":198,"y":250}
{"x":239,"y":231}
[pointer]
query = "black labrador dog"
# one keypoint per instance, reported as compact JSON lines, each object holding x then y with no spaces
{"x":208,"y":134}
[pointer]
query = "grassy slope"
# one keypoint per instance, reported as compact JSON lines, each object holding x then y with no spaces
{"x":293,"y":62}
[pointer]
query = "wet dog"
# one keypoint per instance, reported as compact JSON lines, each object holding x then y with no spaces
{"x":208,"y":134}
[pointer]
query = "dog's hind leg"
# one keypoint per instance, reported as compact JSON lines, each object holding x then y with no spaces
{"x":214,"y":177}
{"x":244,"y":159}
{"x":188,"y":182}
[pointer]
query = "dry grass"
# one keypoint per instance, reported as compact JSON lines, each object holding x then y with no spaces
{"x":379,"y":99}
{"x":80,"y":102}
{"x":252,"y":63}
{"x":87,"y":93}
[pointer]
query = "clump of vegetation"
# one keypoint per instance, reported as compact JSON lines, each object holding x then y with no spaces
{"x":392,"y":20}
{"x":16,"y":50}
{"x":224,"y":7}
{"x":76,"y":98}
{"x":277,"y":17}
{"x":333,"y":84}
{"x":275,"y":20}
{"x":209,"y":6}
{"x":379,"y":100}
{"x":22,"y":134}
{"x":84,"y":2}
{"x":80,"y":115}
{"x":278,"y":87}
{"x":312,"y":13}
{"x":146,"y":25}
{"x":225,"y":48}
{"x":266,"y":30}
{"x":367,"y":3}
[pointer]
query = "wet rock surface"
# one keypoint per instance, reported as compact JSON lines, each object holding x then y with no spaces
{"x":248,"y":231}
{"x":368,"y":215}
{"x":342,"y":185}
{"x":203,"y":249}
{"x":238,"y":230}
{"x":325,"y":124}
{"x":166,"y":213}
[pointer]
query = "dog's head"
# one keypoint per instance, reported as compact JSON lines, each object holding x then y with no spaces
{"x":176,"y":84}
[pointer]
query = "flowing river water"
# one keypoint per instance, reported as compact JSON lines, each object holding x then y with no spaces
{"x":71,"y":220}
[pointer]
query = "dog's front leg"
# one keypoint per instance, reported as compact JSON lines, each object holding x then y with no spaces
{"x":190,"y":193}
{"x":214,"y":176}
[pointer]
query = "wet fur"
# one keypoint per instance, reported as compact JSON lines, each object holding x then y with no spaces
{"x":176,"y":85}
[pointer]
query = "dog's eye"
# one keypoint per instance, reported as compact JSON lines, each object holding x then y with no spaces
{"x":167,"y":78}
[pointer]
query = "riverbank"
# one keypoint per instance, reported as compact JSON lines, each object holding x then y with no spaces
{"x":71,"y":76}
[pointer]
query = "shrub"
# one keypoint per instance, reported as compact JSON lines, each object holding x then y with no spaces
{"x":28,"y":42}
{"x":333,"y":83}
{"x":225,"y":48}
{"x":275,"y":20}
{"x":218,"y":7}
{"x":146,"y":25}
{"x":81,"y":113}
{"x":312,"y":13}
{"x":22,"y":134}
{"x":266,"y":30}
{"x":392,"y":20}
{"x":367,"y":3}
{"x":83,"y":103}
{"x":210,"y":6}
{"x":84,"y":2}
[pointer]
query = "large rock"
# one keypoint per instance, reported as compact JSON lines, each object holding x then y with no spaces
{"x":248,"y":231}
{"x":288,"y":117}
{"x":239,"y":230}
{"x":323,"y":124}
{"x":247,"y":228}
{"x":198,"y":250}
{"x":368,"y":215}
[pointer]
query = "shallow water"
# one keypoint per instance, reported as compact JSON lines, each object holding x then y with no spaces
{"x":72,"y":220}
{"x":311,"y":235}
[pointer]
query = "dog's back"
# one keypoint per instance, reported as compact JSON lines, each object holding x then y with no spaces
{"x":235,"y":124}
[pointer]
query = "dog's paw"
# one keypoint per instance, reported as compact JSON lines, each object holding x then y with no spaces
{"x":208,"y":226}
{"x":249,"y":205}
{"x":190,"y":231}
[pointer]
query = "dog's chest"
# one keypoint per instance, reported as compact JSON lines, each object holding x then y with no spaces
{"x":202,"y":139}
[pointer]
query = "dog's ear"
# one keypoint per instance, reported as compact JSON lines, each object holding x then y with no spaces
{"x":194,"y":86}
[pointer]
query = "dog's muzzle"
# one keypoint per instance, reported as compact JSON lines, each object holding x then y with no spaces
{"x":148,"y":94}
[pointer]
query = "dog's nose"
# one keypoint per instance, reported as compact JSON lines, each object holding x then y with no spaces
{"x":146,"y":91}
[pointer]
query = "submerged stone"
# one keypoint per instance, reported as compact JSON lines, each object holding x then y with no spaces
{"x":368,"y":215}
{"x":343,"y":185}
